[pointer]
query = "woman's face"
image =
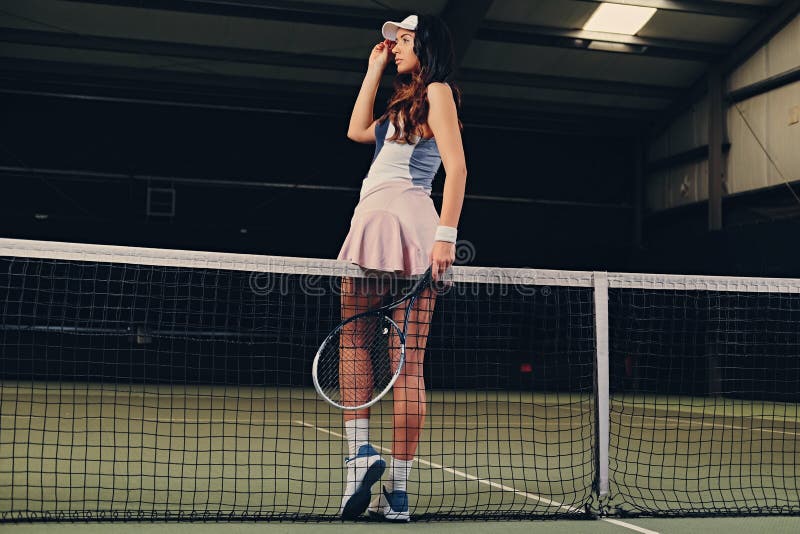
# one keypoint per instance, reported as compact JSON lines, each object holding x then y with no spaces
{"x":404,"y":56}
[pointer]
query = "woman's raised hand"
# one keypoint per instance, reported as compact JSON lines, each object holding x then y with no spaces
{"x":379,"y":57}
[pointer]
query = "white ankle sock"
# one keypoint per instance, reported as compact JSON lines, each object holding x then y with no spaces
{"x":398,"y":474}
{"x":357,"y":431}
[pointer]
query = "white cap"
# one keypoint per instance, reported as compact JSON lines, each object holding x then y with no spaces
{"x":390,"y":28}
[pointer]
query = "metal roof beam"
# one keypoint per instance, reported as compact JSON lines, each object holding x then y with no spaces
{"x":210,"y":91}
{"x":555,"y":110}
{"x":175,"y":49}
{"x":282,"y":10}
{"x":697,"y":7}
{"x":319,"y":62}
{"x":764,"y":86}
{"x":585,"y":85}
{"x":365,"y":18}
{"x":7,"y":171}
{"x":339,"y":15}
{"x":780,"y":16}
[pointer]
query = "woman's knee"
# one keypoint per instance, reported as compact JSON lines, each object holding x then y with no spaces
{"x":359,"y":294}
{"x":410,"y":385}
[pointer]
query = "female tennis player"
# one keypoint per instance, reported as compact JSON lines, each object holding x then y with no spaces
{"x":395,"y":229}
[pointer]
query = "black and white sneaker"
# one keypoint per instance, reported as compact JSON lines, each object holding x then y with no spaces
{"x":363,"y":470}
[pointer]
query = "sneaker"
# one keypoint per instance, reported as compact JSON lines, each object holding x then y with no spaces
{"x":390,"y":506}
{"x":363,"y":470}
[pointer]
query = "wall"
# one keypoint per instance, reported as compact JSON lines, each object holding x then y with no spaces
{"x":746,"y":166}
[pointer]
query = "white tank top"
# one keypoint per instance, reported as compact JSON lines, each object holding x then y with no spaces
{"x":415,"y":164}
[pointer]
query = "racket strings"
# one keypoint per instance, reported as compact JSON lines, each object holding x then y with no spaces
{"x":362,"y":357}
{"x":366,"y":358}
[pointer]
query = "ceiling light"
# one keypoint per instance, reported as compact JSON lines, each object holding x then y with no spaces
{"x":616,"y":47}
{"x":616,"y":18}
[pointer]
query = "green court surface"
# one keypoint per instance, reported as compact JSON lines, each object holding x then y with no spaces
{"x":683,"y":452}
{"x":77,"y":446}
{"x":245,"y":450}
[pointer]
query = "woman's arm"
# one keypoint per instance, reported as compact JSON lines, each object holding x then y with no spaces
{"x":443,"y":121}
{"x":362,"y":123}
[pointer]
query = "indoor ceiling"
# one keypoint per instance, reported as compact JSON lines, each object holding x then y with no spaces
{"x":524,"y":64}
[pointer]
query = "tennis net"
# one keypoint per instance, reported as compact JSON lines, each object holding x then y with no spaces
{"x":704,"y":397}
{"x":143,"y":383}
{"x":160,"y":384}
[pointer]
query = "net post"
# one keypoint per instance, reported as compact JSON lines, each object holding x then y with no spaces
{"x":601,"y":379}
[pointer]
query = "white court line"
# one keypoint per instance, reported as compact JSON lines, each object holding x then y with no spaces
{"x":457,"y":472}
{"x":623,"y":524}
{"x":677,"y":420}
{"x":488,"y":482}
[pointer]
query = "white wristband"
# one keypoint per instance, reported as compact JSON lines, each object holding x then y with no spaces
{"x":446,"y":233}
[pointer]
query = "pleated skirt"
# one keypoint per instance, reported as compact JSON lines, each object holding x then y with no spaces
{"x":392,"y":229}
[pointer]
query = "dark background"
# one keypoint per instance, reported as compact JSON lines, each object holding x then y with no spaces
{"x":216,"y":161}
{"x":162,"y":141}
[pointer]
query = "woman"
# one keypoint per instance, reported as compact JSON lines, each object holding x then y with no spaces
{"x":395,"y":229}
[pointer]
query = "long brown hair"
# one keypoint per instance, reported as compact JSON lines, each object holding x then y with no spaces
{"x":408,"y":106}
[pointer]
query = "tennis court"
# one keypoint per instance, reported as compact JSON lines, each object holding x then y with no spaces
{"x":673,"y":455}
{"x":221,"y":437}
{"x":210,"y":449}
{"x":178,"y":352}
{"x":178,"y":388}
{"x":206,"y":435}
{"x":173,"y":449}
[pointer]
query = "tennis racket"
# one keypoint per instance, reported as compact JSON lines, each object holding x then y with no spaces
{"x":360,"y":360}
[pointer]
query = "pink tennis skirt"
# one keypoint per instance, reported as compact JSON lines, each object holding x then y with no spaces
{"x":392,"y":229}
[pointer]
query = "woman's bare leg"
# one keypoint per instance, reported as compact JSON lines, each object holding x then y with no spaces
{"x":364,"y":464}
{"x":355,"y":365}
{"x":409,"y":407}
{"x":409,"y":390}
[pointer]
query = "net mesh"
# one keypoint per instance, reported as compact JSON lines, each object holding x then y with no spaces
{"x":139,"y":383}
{"x":704,"y":396}
{"x":153,"y":384}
